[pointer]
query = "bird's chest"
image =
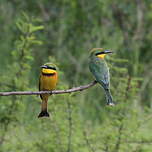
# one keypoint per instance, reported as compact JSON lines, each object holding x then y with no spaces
{"x":98,"y":66}
{"x":48,"y":82}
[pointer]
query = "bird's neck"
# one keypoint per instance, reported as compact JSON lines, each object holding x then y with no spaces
{"x":48,"y":74}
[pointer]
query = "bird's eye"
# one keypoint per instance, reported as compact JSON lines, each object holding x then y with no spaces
{"x":53,"y":68}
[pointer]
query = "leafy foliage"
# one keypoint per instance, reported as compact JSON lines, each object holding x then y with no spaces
{"x":63,"y":32}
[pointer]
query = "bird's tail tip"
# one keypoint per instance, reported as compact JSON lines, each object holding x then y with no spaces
{"x":110,"y":102}
{"x":43,"y":114}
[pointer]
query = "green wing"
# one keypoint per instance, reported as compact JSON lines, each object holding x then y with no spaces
{"x":100,"y":71}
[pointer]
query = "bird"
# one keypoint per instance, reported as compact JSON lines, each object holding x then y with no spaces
{"x":47,"y":82}
{"x":98,"y":67}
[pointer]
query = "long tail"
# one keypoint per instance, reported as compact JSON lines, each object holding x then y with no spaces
{"x":109,"y":98}
{"x":44,"y":111}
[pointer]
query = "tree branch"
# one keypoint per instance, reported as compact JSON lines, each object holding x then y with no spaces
{"x":80,"y":88}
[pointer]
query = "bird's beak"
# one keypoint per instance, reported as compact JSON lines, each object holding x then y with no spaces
{"x":43,"y":66}
{"x":107,"y":51}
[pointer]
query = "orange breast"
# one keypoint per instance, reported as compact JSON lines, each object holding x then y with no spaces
{"x":48,"y":82}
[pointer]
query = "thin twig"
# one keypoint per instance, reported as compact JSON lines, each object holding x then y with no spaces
{"x":80,"y":88}
{"x":128,"y":87}
{"x":118,"y":143}
{"x":91,"y":149}
{"x":57,"y":131}
{"x":138,"y":142}
{"x":70,"y":125}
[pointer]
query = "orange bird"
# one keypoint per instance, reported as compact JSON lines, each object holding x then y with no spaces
{"x":47,"y":82}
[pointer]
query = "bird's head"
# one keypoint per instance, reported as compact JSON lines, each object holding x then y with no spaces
{"x":99,"y":52}
{"x":48,"y":68}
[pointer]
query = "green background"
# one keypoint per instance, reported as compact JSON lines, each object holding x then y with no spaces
{"x":34,"y":32}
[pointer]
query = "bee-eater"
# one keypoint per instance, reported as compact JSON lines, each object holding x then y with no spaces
{"x":47,"y":82}
{"x":100,"y":71}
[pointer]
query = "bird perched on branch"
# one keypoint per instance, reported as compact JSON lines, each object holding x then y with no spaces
{"x":47,"y":82}
{"x":100,"y":71}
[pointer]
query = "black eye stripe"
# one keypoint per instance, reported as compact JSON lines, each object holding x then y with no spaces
{"x":53,"y":68}
{"x":100,"y":53}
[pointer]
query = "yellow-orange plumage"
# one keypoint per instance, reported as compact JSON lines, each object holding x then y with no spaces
{"x":47,"y":82}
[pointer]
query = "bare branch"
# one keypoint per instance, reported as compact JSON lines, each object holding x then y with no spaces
{"x":80,"y":88}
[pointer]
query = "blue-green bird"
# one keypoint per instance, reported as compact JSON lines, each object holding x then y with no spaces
{"x":100,"y":71}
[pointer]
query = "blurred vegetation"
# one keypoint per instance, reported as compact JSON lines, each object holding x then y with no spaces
{"x":63,"y":32}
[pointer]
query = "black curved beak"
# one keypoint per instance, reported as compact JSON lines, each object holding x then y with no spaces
{"x":43,"y":66}
{"x":107,"y":51}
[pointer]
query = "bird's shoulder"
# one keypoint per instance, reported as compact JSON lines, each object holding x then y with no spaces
{"x":98,"y":66}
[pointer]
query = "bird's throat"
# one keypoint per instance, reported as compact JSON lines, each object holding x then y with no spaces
{"x":101,"y":56}
{"x":48,"y":72}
